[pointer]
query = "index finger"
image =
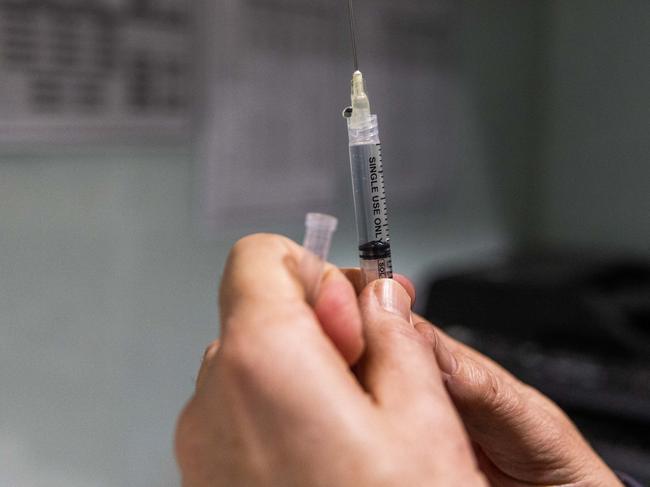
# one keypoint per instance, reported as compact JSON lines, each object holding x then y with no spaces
{"x":262,"y":292}
{"x":261,"y":269}
{"x":275,"y":353}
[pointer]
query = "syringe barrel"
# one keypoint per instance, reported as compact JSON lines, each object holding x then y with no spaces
{"x":370,"y":199}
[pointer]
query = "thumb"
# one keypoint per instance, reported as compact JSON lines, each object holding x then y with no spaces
{"x":398,"y":368}
{"x":400,"y":373}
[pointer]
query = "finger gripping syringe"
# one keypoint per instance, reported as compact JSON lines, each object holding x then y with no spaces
{"x":368,"y":185}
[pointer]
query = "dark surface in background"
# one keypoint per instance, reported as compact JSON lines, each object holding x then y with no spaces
{"x":575,"y":326}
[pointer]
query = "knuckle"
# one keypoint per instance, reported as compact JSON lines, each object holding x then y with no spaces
{"x":237,"y":357}
{"x":189,"y":437}
{"x":488,"y":391}
{"x":397,"y":330}
{"x":500,"y":395}
{"x":210,"y":351}
{"x":428,"y":333}
{"x":400,"y":339}
{"x":255,"y":241}
{"x":241,"y":254}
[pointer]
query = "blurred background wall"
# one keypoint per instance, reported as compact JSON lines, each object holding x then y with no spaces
{"x":595,"y":152}
{"x":108,"y":281}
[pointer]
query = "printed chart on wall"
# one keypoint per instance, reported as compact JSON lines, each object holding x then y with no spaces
{"x":84,"y":70}
{"x":277,"y":76}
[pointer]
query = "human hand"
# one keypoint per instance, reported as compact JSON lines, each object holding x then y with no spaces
{"x":521,"y":437}
{"x":277,"y":404}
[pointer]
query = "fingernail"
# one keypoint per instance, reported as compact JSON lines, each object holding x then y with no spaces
{"x":446,"y":360}
{"x":393,"y":298}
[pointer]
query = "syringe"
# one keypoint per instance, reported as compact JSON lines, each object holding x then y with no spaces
{"x":367,"y":178}
{"x":367,"y":170}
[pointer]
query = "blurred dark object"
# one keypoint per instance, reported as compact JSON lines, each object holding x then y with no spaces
{"x":575,"y":326}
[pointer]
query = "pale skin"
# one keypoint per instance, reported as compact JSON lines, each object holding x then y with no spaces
{"x":358,"y":391}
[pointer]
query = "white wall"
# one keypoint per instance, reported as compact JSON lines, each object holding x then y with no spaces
{"x":106,"y":299}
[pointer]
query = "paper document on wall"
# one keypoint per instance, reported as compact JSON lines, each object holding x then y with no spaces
{"x":276,"y":75}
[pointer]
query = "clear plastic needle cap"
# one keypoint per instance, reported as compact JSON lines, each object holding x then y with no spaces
{"x":319,"y":230}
